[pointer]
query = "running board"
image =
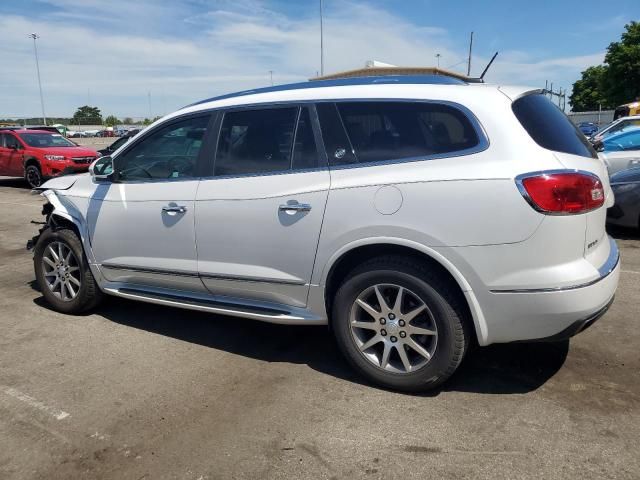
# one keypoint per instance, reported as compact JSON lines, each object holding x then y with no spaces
{"x":265,"y":313}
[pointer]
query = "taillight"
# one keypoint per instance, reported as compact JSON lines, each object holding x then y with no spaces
{"x":562,"y":192}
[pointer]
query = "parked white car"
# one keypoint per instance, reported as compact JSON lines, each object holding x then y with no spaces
{"x":621,"y":150}
{"x":414,"y":215}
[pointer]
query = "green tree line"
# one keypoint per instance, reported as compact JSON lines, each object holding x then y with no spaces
{"x":617,"y":81}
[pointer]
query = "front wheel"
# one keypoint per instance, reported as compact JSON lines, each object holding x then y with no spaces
{"x":400,"y":325}
{"x":63,"y":273}
{"x":33,"y":176}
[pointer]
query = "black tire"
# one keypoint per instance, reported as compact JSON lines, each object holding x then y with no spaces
{"x":88,"y":295}
{"x":33,"y":176}
{"x":438,"y":294}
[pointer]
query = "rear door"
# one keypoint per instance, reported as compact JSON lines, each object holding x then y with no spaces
{"x":259,"y":215}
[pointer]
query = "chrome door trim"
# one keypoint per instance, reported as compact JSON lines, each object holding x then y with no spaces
{"x":182,"y":273}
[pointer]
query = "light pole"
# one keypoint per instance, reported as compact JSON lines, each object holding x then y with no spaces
{"x":321,"y":43}
{"x":271,"y":76}
{"x":438,"y":58}
{"x":35,"y":50}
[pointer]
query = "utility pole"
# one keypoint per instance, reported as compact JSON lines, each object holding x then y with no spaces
{"x":271,"y":76}
{"x":35,"y":50}
{"x":438,"y":59}
{"x":321,"y":43}
{"x":469,"y":61}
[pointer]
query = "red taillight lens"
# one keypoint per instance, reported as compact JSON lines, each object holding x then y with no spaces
{"x":563,"y":193}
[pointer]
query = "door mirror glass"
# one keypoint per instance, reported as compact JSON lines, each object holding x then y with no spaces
{"x":102,"y":168}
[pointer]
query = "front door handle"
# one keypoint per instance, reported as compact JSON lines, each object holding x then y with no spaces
{"x":173,"y":209}
{"x":295,"y":207}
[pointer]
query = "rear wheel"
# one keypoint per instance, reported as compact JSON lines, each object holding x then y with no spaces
{"x":63,"y":273}
{"x":33,"y":176}
{"x":400,"y":325}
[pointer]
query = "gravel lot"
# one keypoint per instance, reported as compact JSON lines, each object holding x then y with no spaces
{"x":136,"y":391}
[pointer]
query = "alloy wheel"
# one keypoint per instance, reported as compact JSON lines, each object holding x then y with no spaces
{"x":61,"y":271}
{"x":33,"y":177}
{"x":393,"y":328}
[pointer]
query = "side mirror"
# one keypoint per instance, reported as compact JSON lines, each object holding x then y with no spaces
{"x":101,"y":168}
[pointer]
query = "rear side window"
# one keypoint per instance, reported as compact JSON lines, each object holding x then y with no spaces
{"x":549,"y":127}
{"x":257,"y":141}
{"x":395,"y":130}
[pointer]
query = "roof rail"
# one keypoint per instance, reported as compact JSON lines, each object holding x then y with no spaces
{"x":340,"y":82}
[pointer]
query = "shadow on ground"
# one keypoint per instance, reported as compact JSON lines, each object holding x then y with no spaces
{"x":498,"y":369}
{"x":16,"y":182}
{"x":621,"y":233}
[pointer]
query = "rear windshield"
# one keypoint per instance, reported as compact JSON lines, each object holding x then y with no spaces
{"x":549,"y":126}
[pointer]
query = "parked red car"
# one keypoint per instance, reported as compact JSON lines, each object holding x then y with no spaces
{"x":37,"y":155}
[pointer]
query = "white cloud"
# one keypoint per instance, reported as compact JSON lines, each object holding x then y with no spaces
{"x":181,"y":52}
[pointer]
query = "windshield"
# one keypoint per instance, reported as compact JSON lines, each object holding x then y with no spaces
{"x":43,"y":140}
{"x":629,"y":140}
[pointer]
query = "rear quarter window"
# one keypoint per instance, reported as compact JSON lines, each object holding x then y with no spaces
{"x":549,"y":127}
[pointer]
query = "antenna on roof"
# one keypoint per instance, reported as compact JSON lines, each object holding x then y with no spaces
{"x":488,"y":65}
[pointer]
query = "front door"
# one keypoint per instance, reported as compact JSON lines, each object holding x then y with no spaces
{"x":142,"y":227}
{"x":11,"y":156}
{"x":258,"y":218}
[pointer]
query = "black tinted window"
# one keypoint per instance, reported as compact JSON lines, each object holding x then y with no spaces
{"x":10,"y":141}
{"x":169,"y":152}
{"x":305,"y":154}
{"x":395,"y":130}
{"x":335,"y":139}
{"x":256,"y":141}
{"x":549,"y":127}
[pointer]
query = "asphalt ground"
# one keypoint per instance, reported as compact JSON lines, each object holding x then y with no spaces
{"x":137,"y":391}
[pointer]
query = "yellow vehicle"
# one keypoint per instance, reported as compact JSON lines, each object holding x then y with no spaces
{"x":627,"y":110}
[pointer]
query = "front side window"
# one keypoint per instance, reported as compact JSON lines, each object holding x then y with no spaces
{"x":396,"y":130}
{"x":45,"y":140}
{"x":10,"y":141}
{"x":169,"y":152}
{"x":256,"y":141}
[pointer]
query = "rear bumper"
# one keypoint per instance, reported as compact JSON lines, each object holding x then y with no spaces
{"x":547,"y":314}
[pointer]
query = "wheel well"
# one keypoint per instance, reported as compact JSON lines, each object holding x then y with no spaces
{"x":355,"y":257}
{"x":31,"y":161}
{"x":61,"y":222}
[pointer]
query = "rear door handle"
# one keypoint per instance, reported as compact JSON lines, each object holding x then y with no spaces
{"x":295,"y":207}
{"x":173,"y":209}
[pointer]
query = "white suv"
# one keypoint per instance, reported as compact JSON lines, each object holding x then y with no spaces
{"x":413,"y":215}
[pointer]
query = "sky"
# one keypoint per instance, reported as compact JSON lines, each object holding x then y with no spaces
{"x":143,"y":58}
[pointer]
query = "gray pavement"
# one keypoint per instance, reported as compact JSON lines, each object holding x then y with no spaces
{"x":136,"y":391}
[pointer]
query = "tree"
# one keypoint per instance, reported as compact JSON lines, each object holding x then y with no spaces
{"x":127,"y":121}
{"x":146,"y":121}
{"x":622,"y":78}
{"x":617,"y":81}
{"x":87,"y":115}
{"x":111,"y":121}
{"x":588,"y":92}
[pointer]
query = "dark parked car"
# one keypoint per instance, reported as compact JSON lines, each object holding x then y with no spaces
{"x":626,"y":187}
{"x":588,"y":128}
